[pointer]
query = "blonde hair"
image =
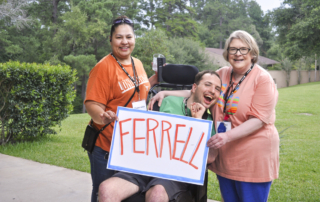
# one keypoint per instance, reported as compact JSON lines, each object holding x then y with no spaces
{"x":246,"y":38}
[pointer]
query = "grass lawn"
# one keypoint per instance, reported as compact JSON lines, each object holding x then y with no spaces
{"x":298,"y":107}
{"x":62,"y":150}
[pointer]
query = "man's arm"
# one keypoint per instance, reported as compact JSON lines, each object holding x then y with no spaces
{"x":197,"y":110}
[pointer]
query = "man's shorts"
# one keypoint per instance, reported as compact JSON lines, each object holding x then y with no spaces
{"x":144,"y":183}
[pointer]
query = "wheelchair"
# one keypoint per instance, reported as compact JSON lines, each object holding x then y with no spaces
{"x":176,"y":77}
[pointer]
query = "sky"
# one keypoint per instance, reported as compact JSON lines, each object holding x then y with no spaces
{"x":269,"y":4}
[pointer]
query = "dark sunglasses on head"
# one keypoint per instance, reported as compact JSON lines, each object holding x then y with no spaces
{"x":123,"y":20}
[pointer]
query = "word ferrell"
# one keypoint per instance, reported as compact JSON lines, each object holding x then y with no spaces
{"x":165,"y":127}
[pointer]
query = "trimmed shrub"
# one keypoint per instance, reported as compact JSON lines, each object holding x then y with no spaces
{"x":33,"y":99}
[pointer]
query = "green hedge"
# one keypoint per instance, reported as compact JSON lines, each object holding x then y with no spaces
{"x":33,"y":99}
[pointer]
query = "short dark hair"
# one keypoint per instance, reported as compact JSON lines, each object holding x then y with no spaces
{"x":200,"y":75}
{"x":114,"y":26}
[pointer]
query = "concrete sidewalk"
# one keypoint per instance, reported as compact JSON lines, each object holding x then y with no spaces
{"x":28,"y":181}
{"x":23,"y":180}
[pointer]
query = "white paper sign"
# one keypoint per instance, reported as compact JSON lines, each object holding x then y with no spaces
{"x":160,"y":145}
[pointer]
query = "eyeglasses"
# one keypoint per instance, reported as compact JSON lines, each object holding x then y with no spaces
{"x":123,"y":20}
{"x":243,"y":50}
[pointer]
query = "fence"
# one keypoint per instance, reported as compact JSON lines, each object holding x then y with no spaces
{"x":279,"y":77}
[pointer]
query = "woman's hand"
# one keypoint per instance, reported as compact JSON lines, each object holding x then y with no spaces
{"x":158,"y":97}
{"x":218,"y":140}
{"x":108,"y":117}
{"x":98,"y":114}
{"x":197,"y":110}
{"x":243,"y":130}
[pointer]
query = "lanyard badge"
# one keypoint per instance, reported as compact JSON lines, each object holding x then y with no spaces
{"x":141,"y":105}
{"x":225,"y":125}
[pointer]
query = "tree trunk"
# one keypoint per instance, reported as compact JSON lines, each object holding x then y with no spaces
{"x":220,"y":46}
{"x":83,"y":108}
{"x":299,"y":72}
{"x":55,"y":13}
{"x":2,"y":132}
{"x":288,"y":78}
{"x":170,"y":13}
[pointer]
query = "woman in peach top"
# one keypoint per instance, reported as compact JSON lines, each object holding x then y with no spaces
{"x":247,"y":140}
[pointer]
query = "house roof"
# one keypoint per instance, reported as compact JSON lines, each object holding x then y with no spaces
{"x":267,"y":61}
{"x":215,"y":50}
{"x":262,"y":60}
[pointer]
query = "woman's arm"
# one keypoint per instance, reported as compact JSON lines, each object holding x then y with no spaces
{"x":153,"y":80}
{"x":213,"y":153}
{"x":248,"y":127}
{"x":98,"y":114}
{"x":162,"y":94}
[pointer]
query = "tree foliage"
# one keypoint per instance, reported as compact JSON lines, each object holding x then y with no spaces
{"x":15,"y":11}
{"x":151,"y":42}
{"x":286,"y":66}
{"x":262,"y":25}
{"x":176,"y":50}
{"x":63,"y":27}
{"x":221,"y":18}
{"x":298,"y":26}
{"x":172,"y":16}
{"x":83,"y":64}
{"x":189,"y":52}
{"x":77,"y":32}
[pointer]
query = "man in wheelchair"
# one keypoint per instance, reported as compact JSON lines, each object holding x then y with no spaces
{"x":204,"y":93}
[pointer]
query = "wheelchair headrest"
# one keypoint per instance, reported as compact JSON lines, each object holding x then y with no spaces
{"x":179,"y":74}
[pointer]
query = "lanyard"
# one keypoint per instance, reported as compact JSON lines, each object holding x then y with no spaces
{"x":226,"y":96}
{"x":185,"y":106}
{"x":135,"y":81}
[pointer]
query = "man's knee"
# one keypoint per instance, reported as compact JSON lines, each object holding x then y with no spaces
{"x":106,"y":191}
{"x":157,"y":193}
{"x":116,"y":189}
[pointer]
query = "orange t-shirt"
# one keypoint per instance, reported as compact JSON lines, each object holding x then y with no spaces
{"x":254,"y":158}
{"x":108,"y":84}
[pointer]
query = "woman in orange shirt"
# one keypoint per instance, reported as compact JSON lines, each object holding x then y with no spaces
{"x":115,"y":80}
{"x":247,"y":139}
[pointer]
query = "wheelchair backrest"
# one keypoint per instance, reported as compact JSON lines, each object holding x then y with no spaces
{"x":177,"y":74}
{"x":174,"y":77}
